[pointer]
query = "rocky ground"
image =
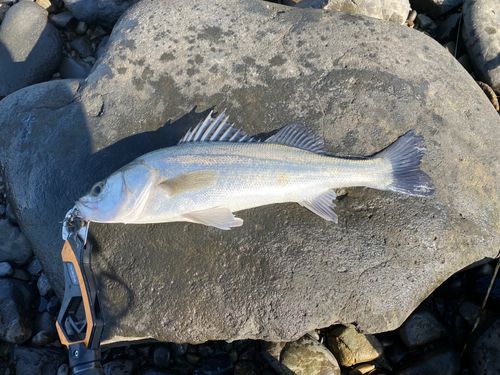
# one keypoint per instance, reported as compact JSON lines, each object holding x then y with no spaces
{"x":451,"y":332}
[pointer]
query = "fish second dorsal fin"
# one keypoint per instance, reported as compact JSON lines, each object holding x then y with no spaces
{"x":299,"y":136}
{"x":215,"y":130}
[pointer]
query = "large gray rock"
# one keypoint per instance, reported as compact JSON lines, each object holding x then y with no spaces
{"x":285,"y":271}
{"x":30,"y":47}
{"x":481,"y":32}
{"x":103,"y":12}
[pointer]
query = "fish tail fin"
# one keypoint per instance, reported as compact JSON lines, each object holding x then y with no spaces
{"x":405,"y":156}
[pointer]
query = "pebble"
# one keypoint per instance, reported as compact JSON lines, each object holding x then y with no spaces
{"x":34,"y":267}
{"x":179,"y":349}
{"x":205,"y":350}
{"x":63,"y":369}
{"x":423,"y":21}
{"x":64,"y":20}
{"x":483,"y":349}
{"x":6,"y":269}
{"x":71,"y":68}
{"x":43,"y":285}
{"x":442,"y":361}
{"x":412,"y":16}
{"x":193,"y":358}
{"x":42,"y":338}
{"x":307,"y":356}
{"x":351,"y":347}
{"x":469,"y":312}
{"x":2,"y":207}
{"x":161,"y":356}
{"x":31,"y":47}
{"x":82,"y":46}
{"x":14,"y":246}
{"x":45,"y":322}
{"x":362,"y":369}
{"x":233,"y":355}
{"x":16,"y":298}
{"x":120,"y":367}
{"x":81,"y":28}
{"x":54,"y":305}
{"x":98,"y":32}
{"x":421,"y":328}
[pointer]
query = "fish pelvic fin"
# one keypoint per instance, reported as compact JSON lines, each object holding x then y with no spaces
{"x":219,"y":217}
{"x":405,"y":156}
{"x":322,"y":205}
{"x":189,"y":182}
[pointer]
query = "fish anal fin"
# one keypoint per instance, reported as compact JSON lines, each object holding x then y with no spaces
{"x":322,"y":205}
{"x":189,"y":182}
{"x":299,"y":136}
{"x":220,"y":217}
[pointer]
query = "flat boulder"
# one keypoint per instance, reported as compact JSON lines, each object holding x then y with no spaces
{"x":357,"y":82}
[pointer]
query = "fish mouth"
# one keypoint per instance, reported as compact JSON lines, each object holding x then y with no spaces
{"x":86,"y":208}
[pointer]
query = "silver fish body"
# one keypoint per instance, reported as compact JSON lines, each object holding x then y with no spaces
{"x":207,"y":177}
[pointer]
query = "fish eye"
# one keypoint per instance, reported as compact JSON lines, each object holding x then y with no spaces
{"x":97,"y":189}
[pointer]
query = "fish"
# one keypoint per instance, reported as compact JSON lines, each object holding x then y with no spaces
{"x":216,"y":170}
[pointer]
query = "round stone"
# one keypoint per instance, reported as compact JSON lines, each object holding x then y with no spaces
{"x":421,"y":328}
{"x":161,"y":356}
{"x":6,"y":269}
{"x":42,"y":338}
{"x":32,"y":47}
{"x":351,"y":347}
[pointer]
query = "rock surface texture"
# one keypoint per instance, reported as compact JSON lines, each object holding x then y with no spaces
{"x":30,"y":47}
{"x":286,"y":271}
{"x":481,"y":32}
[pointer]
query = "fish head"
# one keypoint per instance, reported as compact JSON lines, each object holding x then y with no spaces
{"x":105,"y":201}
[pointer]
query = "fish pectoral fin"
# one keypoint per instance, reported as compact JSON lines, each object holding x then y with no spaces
{"x":220,"y":217}
{"x":188,"y":182}
{"x":322,"y":205}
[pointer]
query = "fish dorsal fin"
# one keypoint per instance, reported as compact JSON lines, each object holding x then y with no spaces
{"x":299,"y":136}
{"x":215,"y":130}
